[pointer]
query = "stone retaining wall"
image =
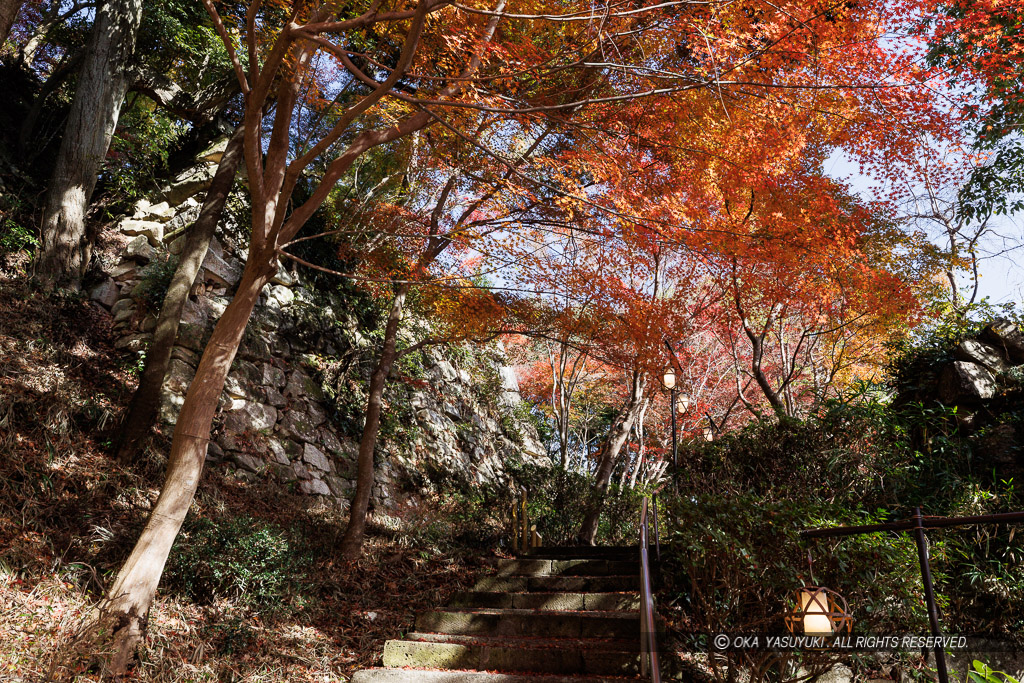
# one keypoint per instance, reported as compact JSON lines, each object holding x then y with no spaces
{"x":277,"y":417}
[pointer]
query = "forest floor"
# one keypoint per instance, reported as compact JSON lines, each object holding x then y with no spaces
{"x":69,"y":515}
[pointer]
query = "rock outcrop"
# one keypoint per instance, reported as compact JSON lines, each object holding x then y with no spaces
{"x":981,"y":365}
{"x":292,"y":405}
{"x":983,"y":378}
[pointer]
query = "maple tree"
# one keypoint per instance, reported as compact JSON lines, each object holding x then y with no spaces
{"x":981,"y":45}
{"x":809,"y":309}
{"x":553,"y":381}
{"x":652,"y":107}
{"x":618,"y":318}
{"x":375,"y":53}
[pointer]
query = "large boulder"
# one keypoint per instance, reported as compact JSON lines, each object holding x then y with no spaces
{"x":178,"y":377}
{"x":243,"y":380}
{"x":140,"y":249}
{"x":151,"y":230}
{"x":223,"y":272}
{"x":301,"y":420}
{"x":301,"y":385}
{"x":964,"y":382}
{"x":273,"y":376}
{"x":285,"y":450}
{"x":980,"y":353}
{"x":105,"y":293}
{"x":313,"y":456}
{"x":188,"y":183}
{"x":1005,"y":336}
{"x":314,"y":487}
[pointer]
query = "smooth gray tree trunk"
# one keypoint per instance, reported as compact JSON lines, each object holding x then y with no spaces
{"x":102,"y":83}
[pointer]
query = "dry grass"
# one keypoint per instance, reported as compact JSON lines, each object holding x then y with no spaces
{"x":68,"y":516}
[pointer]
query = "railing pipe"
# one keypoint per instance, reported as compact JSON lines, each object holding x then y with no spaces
{"x":648,"y":636}
{"x":913,"y":523}
{"x":929,"y":593}
{"x":657,"y":536}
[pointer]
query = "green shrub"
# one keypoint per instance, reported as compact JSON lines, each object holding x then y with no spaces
{"x":853,"y":463}
{"x":983,"y":673}
{"x":557,"y":502}
{"x":736,"y":561}
{"x":733,"y":564}
{"x":154,"y":280}
{"x":14,"y":237}
{"x":237,"y":558}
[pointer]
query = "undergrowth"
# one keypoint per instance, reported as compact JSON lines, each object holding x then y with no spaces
{"x":254,"y":589}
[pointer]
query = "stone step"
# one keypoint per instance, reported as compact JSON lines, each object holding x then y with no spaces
{"x":590,"y":552}
{"x":550,"y":601}
{"x":512,"y":656}
{"x":532,"y":623}
{"x":428,"y":676}
{"x":579,"y":567}
{"x":557,"y":584}
{"x":612,"y":644}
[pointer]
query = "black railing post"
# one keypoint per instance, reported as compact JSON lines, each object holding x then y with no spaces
{"x":929,"y":593}
{"x":657,"y":535}
{"x":675,"y":433}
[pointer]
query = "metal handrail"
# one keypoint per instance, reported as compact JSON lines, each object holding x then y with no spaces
{"x":648,"y":636}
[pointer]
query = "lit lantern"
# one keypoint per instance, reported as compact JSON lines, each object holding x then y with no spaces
{"x":815,"y":608}
{"x":682,"y":403}
{"x":669,"y":379}
{"x":819,"y":612}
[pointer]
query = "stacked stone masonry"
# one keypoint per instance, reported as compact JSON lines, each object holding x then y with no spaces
{"x":273,"y":419}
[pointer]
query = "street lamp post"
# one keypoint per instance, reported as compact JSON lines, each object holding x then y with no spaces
{"x":679,"y":403}
{"x":668,"y":380}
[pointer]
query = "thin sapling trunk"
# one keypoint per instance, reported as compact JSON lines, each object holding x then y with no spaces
{"x":145,"y":403}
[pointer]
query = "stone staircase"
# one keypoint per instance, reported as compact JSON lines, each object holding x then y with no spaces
{"x":558,"y":615}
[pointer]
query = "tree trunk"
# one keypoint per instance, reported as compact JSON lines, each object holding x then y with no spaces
{"x":757,"y":369}
{"x":125,"y":610}
{"x":352,"y":542}
{"x":609,"y":456}
{"x":146,"y":401}
{"x":27,"y":54}
{"x":8,"y":13}
{"x":102,"y":83}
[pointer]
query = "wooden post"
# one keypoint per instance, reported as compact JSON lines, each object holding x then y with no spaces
{"x":524,"y":538}
{"x":515,"y":527}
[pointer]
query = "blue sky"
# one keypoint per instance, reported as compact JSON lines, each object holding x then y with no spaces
{"x":1001,"y":277}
